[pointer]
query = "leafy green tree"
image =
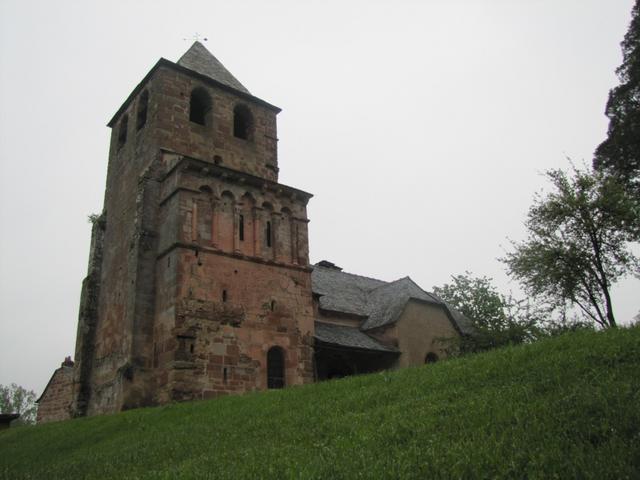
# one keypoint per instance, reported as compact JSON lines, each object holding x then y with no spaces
{"x":619,"y":154}
{"x":16,"y":399}
{"x":497,"y":320}
{"x":578,"y":243}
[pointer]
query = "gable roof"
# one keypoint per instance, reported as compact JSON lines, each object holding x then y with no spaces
{"x":202,"y":61}
{"x":387,"y":302}
{"x":378,"y":302}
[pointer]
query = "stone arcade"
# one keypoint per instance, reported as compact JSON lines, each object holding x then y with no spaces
{"x":199,"y":281}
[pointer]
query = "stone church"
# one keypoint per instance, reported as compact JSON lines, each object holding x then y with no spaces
{"x":199,"y":282}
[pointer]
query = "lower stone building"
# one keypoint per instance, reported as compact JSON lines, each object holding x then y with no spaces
{"x":56,"y":400}
{"x":364,"y":325}
{"x":199,"y":282}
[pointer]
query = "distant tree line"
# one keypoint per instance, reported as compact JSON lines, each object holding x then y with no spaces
{"x":578,"y":236}
{"x":16,"y":399}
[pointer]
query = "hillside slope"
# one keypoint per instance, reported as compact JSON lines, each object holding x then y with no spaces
{"x":567,"y":407}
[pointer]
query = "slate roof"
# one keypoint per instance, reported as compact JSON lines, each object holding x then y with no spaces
{"x":201,"y":60}
{"x":379,"y":303}
{"x":342,"y":292}
{"x":351,"y":337}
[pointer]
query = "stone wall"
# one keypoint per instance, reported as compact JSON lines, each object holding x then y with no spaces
{"x":55,"y":403}
{"x":420,"y":330}
{"x":87,"y":320}
{"x":109,"y":358}
{"x":163,"y":208}
{"x":232,"y":280}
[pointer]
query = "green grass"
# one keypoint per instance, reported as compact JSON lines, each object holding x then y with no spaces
{"x":567,"y":407}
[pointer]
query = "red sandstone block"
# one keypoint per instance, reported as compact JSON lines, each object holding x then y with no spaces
{"x":230,"y":360}
{"x":216,"y":359}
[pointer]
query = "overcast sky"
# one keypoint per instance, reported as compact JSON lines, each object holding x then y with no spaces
{"x":422,"y":128}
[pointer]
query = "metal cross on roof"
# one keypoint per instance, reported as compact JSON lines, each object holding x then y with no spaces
{"x":197,"y":38}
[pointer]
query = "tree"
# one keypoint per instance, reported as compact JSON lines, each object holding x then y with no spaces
{"x":577,"y":244}
{"x":16,"y":399}
{"x":497,"y":320}
{"x":619,"y":154}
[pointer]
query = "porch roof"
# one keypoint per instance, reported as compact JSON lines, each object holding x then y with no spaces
{"x":349,"y":337}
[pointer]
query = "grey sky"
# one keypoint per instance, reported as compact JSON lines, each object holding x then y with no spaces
{"x":422,"y":128}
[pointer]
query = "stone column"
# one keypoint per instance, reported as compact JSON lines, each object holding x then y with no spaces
{"x":214,"y":226}
{"x":256,"y":231}
{"x":274,"y":239}
{"x":194,"y":221}
{"x":236,"y":232}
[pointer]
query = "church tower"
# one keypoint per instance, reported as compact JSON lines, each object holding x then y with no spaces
{"x":199,"y":281}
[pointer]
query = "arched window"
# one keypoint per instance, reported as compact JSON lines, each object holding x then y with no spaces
{"x":199,"y":106}
{"x":122,"y":133}
{"x":275,"y":368}
{"x":143,"y":105}
{"x":268,"y":234}
{"x":241,"y":228}
{"x":242,"y":122}
{"x":431,"y":358}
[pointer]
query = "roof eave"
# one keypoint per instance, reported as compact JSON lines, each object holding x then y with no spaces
{"x":340,"y":313}
{"x":200,"y":166}
{"x":338,"y":346}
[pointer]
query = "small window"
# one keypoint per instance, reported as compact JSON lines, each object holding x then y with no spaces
{"x":199,"y":106}
{"x":273,"y":305}
{"x":275,"y":368}
{"x":241,"y":227}
{"x":122,"y":133}
{"x":186,"y":347}
{"x":242,"y":123}
{"x":224,"y":295}
{"x":268,"y":234}
{"x":143,"y":104}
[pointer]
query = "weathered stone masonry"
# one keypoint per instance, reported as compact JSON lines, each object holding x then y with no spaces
{"x":199,"y":262}
{"x":55,"y":402}
{"x":199,"y":281}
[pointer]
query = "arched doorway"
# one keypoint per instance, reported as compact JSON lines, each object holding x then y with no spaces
{"x":275,"y":368}
{"x":431,"y":358}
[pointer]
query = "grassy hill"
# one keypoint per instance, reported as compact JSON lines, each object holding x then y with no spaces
{"x":567,"y":407}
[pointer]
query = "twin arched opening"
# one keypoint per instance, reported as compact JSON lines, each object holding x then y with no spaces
{"x":200,"y":108}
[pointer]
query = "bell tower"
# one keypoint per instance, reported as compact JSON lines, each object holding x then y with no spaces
{"x":199,"y":280}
